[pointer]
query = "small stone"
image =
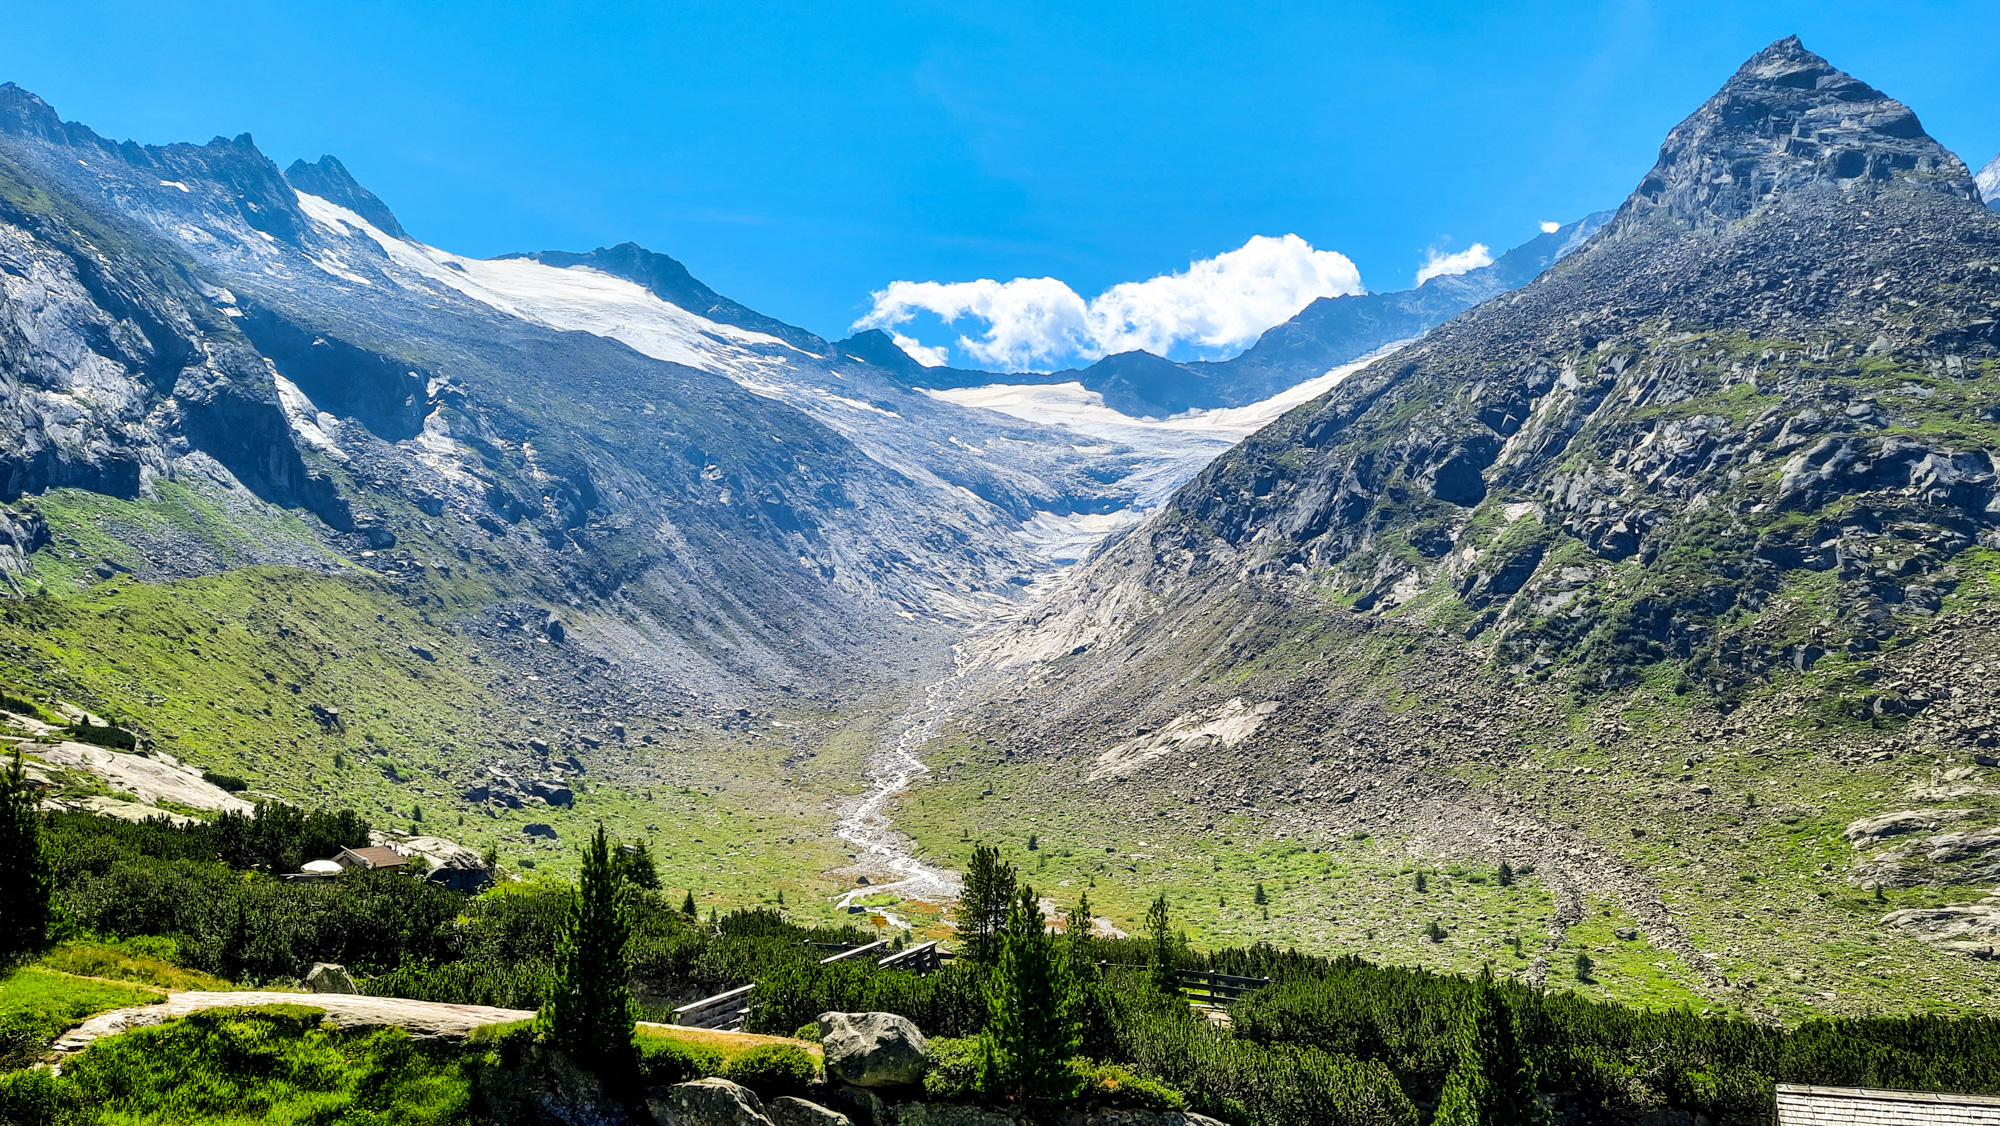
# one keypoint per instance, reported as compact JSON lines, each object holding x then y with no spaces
{"x":330,"y":977}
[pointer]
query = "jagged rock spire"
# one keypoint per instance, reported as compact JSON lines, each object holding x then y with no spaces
{"x":1789,"y":121}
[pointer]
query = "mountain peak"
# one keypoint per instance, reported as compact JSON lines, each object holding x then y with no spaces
{"x":1789,"y":121}
{"x":331,"y":181}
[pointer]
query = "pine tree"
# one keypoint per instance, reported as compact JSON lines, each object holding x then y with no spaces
{"x":1493,"y":1082}
{"x":635,"y":863}
{"x":1076,"y":936}
{"x":1161,"y":959}
{"x":589,"y":1012}
{"x":1260,"y":898}
{"x":25,"y":877}
{"x":984,"y":904}
{"x":1032,"y":1030}
{"x":1506,"y":874}
{"x":1423,"y":884}
{"x":688,"y":908}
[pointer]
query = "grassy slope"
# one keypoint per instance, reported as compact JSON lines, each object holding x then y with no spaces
{"x":1756,"y":872}
{"x":224,"y":671}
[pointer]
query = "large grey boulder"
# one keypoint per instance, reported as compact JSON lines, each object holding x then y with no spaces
{"x":788,"y":1111}
{"x":707,"y":1102}
{"x":330,"y":977}
{"x":873,"y":1049}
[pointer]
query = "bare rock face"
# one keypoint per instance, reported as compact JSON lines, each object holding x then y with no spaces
{"x":707,"y":1102}
{"x":873,"y":1049}
{"x":330,"y":977}
{"x":1788,"y":119}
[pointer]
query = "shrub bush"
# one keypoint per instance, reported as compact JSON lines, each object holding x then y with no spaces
{"x":950,"y":1002}
{"x":1113,"y":1085}
{"x":954,"y":1071}
{"x":666,"y":1060}
{"x":774,"y":1069}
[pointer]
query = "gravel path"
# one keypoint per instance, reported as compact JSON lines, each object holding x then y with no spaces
{"x":423,"y":1019}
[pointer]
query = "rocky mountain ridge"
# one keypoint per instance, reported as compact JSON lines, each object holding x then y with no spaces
{"x":1698,"y":519}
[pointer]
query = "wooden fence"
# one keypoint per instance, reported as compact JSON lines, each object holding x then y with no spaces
{"x":1204,"y":989}
{"x":724,"y":1011}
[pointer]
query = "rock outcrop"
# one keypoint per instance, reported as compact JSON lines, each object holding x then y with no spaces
{"x":873,"y":1049}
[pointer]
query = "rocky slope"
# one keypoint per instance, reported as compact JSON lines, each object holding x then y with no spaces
{"x":602,"y":427}
{"x":1668,"y":573}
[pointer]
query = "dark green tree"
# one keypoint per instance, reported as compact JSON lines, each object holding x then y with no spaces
{"x":1493,"y":1082}
{"x":1423,"y":883}
{"x":1506,"y":874}
{"x":688,"y":908}
{"x":25,"y":876}
{"x":1076,"y":940}
{"x":635,"y":863}
{"x":984,"y":904}
{"x":588,"y":1016}
{"x":1032,"y":1029}
{"x":1260,"y":898}
{"x":1162,"y":959}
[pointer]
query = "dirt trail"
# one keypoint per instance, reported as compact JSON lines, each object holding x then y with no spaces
{"x":423,"y":1019}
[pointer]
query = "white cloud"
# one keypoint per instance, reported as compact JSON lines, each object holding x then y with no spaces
{"x":1220,"y":304}
{"x":1550,"y":227}
{"x":929,"y":357}
{"x":1437,"y":265}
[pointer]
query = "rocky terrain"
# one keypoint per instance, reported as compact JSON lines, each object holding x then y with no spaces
{"x":1668,"y":575}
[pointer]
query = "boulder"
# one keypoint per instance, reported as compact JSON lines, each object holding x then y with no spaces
{"x":873,"y":1049}
{"x":786,"y":1110}
{"x":707,"y":1102}
{"x":330,"y":977}
{"x":536,"y":1084}
{"x":951,"y":1114}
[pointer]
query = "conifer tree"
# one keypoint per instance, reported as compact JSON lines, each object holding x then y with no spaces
{"x":589,"y":1012}
{"x":984,"y":905}
{"x":1161,"y":959}
{"x":1493,"y":1082}
{"x":1032,"y":1030}
{"x":25,"y":878}
{"x":688,"y":908}
{"x":1076,"y":940}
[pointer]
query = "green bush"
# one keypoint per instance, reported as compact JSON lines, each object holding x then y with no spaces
{"x":32,"y":1098}
{"x":774,"y":1069}
{"x":950,"y":1002}
{"x":228,"y":782}
{"x":116,"y":738}
{"x":809,"y":1032}
{"x":1113,"y":1085}
{"x":665,"y":1060}
{"x":954,"y":1071}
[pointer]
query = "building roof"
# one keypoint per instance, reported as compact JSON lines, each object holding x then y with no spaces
{"x":1801,"y":1105}
{"x":374,"y":856}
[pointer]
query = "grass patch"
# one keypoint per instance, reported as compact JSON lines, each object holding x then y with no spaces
{"x":140,"y":961}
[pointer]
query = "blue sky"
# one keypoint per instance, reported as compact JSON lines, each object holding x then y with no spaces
{"x":797,"y":157}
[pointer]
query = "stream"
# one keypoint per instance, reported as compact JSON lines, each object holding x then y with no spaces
{"x":879,"y":848}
